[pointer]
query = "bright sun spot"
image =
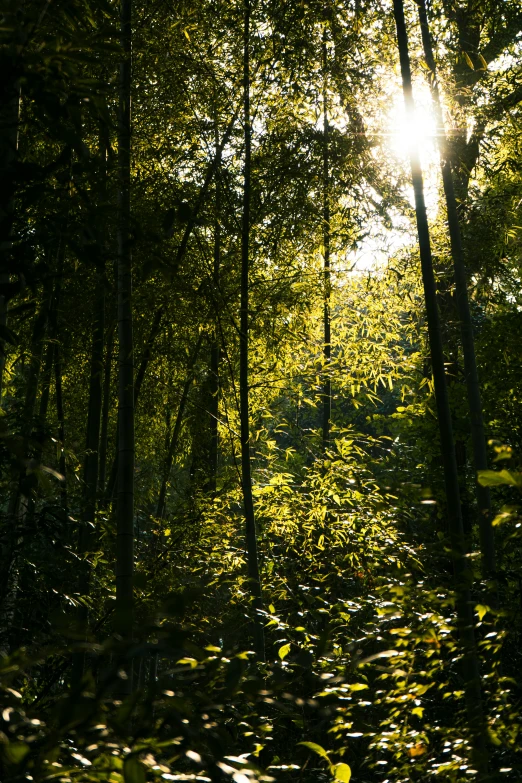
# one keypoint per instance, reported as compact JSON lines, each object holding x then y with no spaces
{"x":405,"y":131}
{"x":398,"y":134}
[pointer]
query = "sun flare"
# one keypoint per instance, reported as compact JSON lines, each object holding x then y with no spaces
{"x":407,"y":132}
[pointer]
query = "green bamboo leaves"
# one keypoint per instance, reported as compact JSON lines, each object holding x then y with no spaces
{"x":340,"y":772}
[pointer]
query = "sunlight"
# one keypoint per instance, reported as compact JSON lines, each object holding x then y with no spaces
{"x":406,"y":132}
{"x":396,"y":135}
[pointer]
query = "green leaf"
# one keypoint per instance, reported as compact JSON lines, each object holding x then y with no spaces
{"x":188,"y":662}
{"x":495,"y":478}
{"x":506,"y":514}
{"x":133,"y":771}
{"x":468,"y":60}
{"x":481,"y":610}
{"x":493,"y":738}
{"x":502,"y":453}
{"x":343,"y":773}
{"x":284,"y":650}
{"x":313,"y":746}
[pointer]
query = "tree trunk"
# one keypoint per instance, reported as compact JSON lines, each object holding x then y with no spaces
{"x":53,"y":350}
{"x":52,"y":334}
{"x":48,"y":365}
{"x":21,"y":501}
{"x":140,"y":375}
{"x":244,"y":413}
{"x":214,"y":348}
{"x":92,"y":439}
{"x":147,"y":352}
{"x":9,"y":121}
{"x":464,"y":611}
{"x":160,"y":508}
{"x":105,"y":409}
{"x":31,"y":388}
{"x":327,"y":348}
{"x":160,"y":312}
{"x":35,"y":360}
{"x":92,"y":444}
{"x":4,"y":279}
{"x":125,"y":507}
{"x":94,"y":410}
{"x":478,"y":436}
{"x":62,"y":461}
{"x":213,"y":414}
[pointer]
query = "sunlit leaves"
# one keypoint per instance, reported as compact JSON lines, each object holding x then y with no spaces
{"x":315,"y":748}
{"x":342,"y":772}
{"x":496,"y":478}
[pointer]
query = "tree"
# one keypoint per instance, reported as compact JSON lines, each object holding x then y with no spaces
{"x":125,"y":503}
{"x":463,"y":600}
{"x":246,"y":477}
{"x":467,"y":338}
{"x":327,"y":393}
{"x":263,"y":186}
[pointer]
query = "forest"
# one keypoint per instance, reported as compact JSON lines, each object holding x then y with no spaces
{"x":260,"y":400}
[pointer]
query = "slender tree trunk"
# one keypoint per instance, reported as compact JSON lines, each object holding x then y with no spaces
{"x":90,"y":468}
{"x":147,"y":352}
{"x":464,"y":610}
{"x":140,"y":376}
{"x":35,"y":361}
{"x":48,"y":365}
{"x":327,"y":349}
{"x":104,"y":433}
{"x":478,"y":436}
{"x":52,"y":350}
{"x":52,"y":334}
{"x":160,"y":508}
{"x":9,"y":122}
{"x":62,"y":462}
{"x":214,"y":348}
{"x":214,"y":413}
{"x":31,"y":450}
{"x":153,"y":671}
{"x":92,"y":439}
{"x":4,"y":279}
{"x":125,"y":507}
{"x":160,"y":312}
{"x":31,"y":388}
{"x":21,"y":501}
{"x":244,"y":412}
{"x":113,"y":475}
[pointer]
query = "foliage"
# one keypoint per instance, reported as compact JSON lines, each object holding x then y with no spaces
{"x":363,"y":678}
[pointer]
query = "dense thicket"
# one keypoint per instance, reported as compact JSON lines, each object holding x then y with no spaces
{"x":260,"y":435}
